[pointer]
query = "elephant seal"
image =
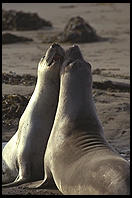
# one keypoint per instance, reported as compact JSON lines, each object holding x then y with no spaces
{"x":22,"y":157}
{"x":78,"y":157}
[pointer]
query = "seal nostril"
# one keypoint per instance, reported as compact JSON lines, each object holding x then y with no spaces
{"x":74,"y":45}
{"x":55,"y":45}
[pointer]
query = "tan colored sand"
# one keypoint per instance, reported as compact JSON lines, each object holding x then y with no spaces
{"x":110,"y":20}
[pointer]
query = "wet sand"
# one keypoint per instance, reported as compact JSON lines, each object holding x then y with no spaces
{"x":112,"y":58}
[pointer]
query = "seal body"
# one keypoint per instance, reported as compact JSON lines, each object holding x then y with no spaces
{"x":22,"y":157}
{"x":78,"y":157}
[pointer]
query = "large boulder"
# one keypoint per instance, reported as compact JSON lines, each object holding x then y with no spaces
{"x":18,"y":20}
{"x":76,"y":31}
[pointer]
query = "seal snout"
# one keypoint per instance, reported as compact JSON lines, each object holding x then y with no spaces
{"x":55,"y":54}
{"x":74,"y":61}
{"x":74,"y":53}
{"x":55,"y":45}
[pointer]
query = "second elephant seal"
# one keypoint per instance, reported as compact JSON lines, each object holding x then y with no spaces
{"x":22,"y":157}
{"x":78,"y":157}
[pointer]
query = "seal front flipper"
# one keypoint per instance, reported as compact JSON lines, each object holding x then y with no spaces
{"x":18,"y":181}
{"x":47,"y":183}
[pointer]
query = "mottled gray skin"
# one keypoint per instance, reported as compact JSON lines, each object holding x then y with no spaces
{"x":22,"y":157}
{"x":78,"y":157}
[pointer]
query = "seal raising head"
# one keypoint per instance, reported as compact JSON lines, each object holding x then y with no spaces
{"x":78,"y":157}
{"x":22,"y":157}
{"x":54,"y":56}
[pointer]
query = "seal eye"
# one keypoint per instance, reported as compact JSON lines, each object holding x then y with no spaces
{"x":42,"y":58}
{"x":55,"y":58}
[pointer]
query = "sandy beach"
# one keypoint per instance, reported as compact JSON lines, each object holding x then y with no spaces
{"x":110,"y":60}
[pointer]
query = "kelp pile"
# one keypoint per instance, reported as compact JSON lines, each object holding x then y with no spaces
{"x":13,"y":105}
{"x":15,"y":79}
{"x":8,"y":38}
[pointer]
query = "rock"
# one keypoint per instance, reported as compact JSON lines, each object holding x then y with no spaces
{"x":77,"y":31}
{"x":8,"y":38}
{"x":18,"y":20}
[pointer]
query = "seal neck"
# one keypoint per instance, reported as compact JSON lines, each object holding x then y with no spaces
{"x":76,"y":103}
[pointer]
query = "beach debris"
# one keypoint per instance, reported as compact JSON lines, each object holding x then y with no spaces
{"x":27,"y":79}
{"x":68,"y":6}
{"x":15,"y":79}
{"x":13,"y":105}
{"x":102,"y":72}
{"x":112,"y":85}
{"x":19,"y":20}
{"x":8,"y":38}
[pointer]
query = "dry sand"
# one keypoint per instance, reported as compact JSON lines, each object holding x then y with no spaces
{"x":112,"y":57}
